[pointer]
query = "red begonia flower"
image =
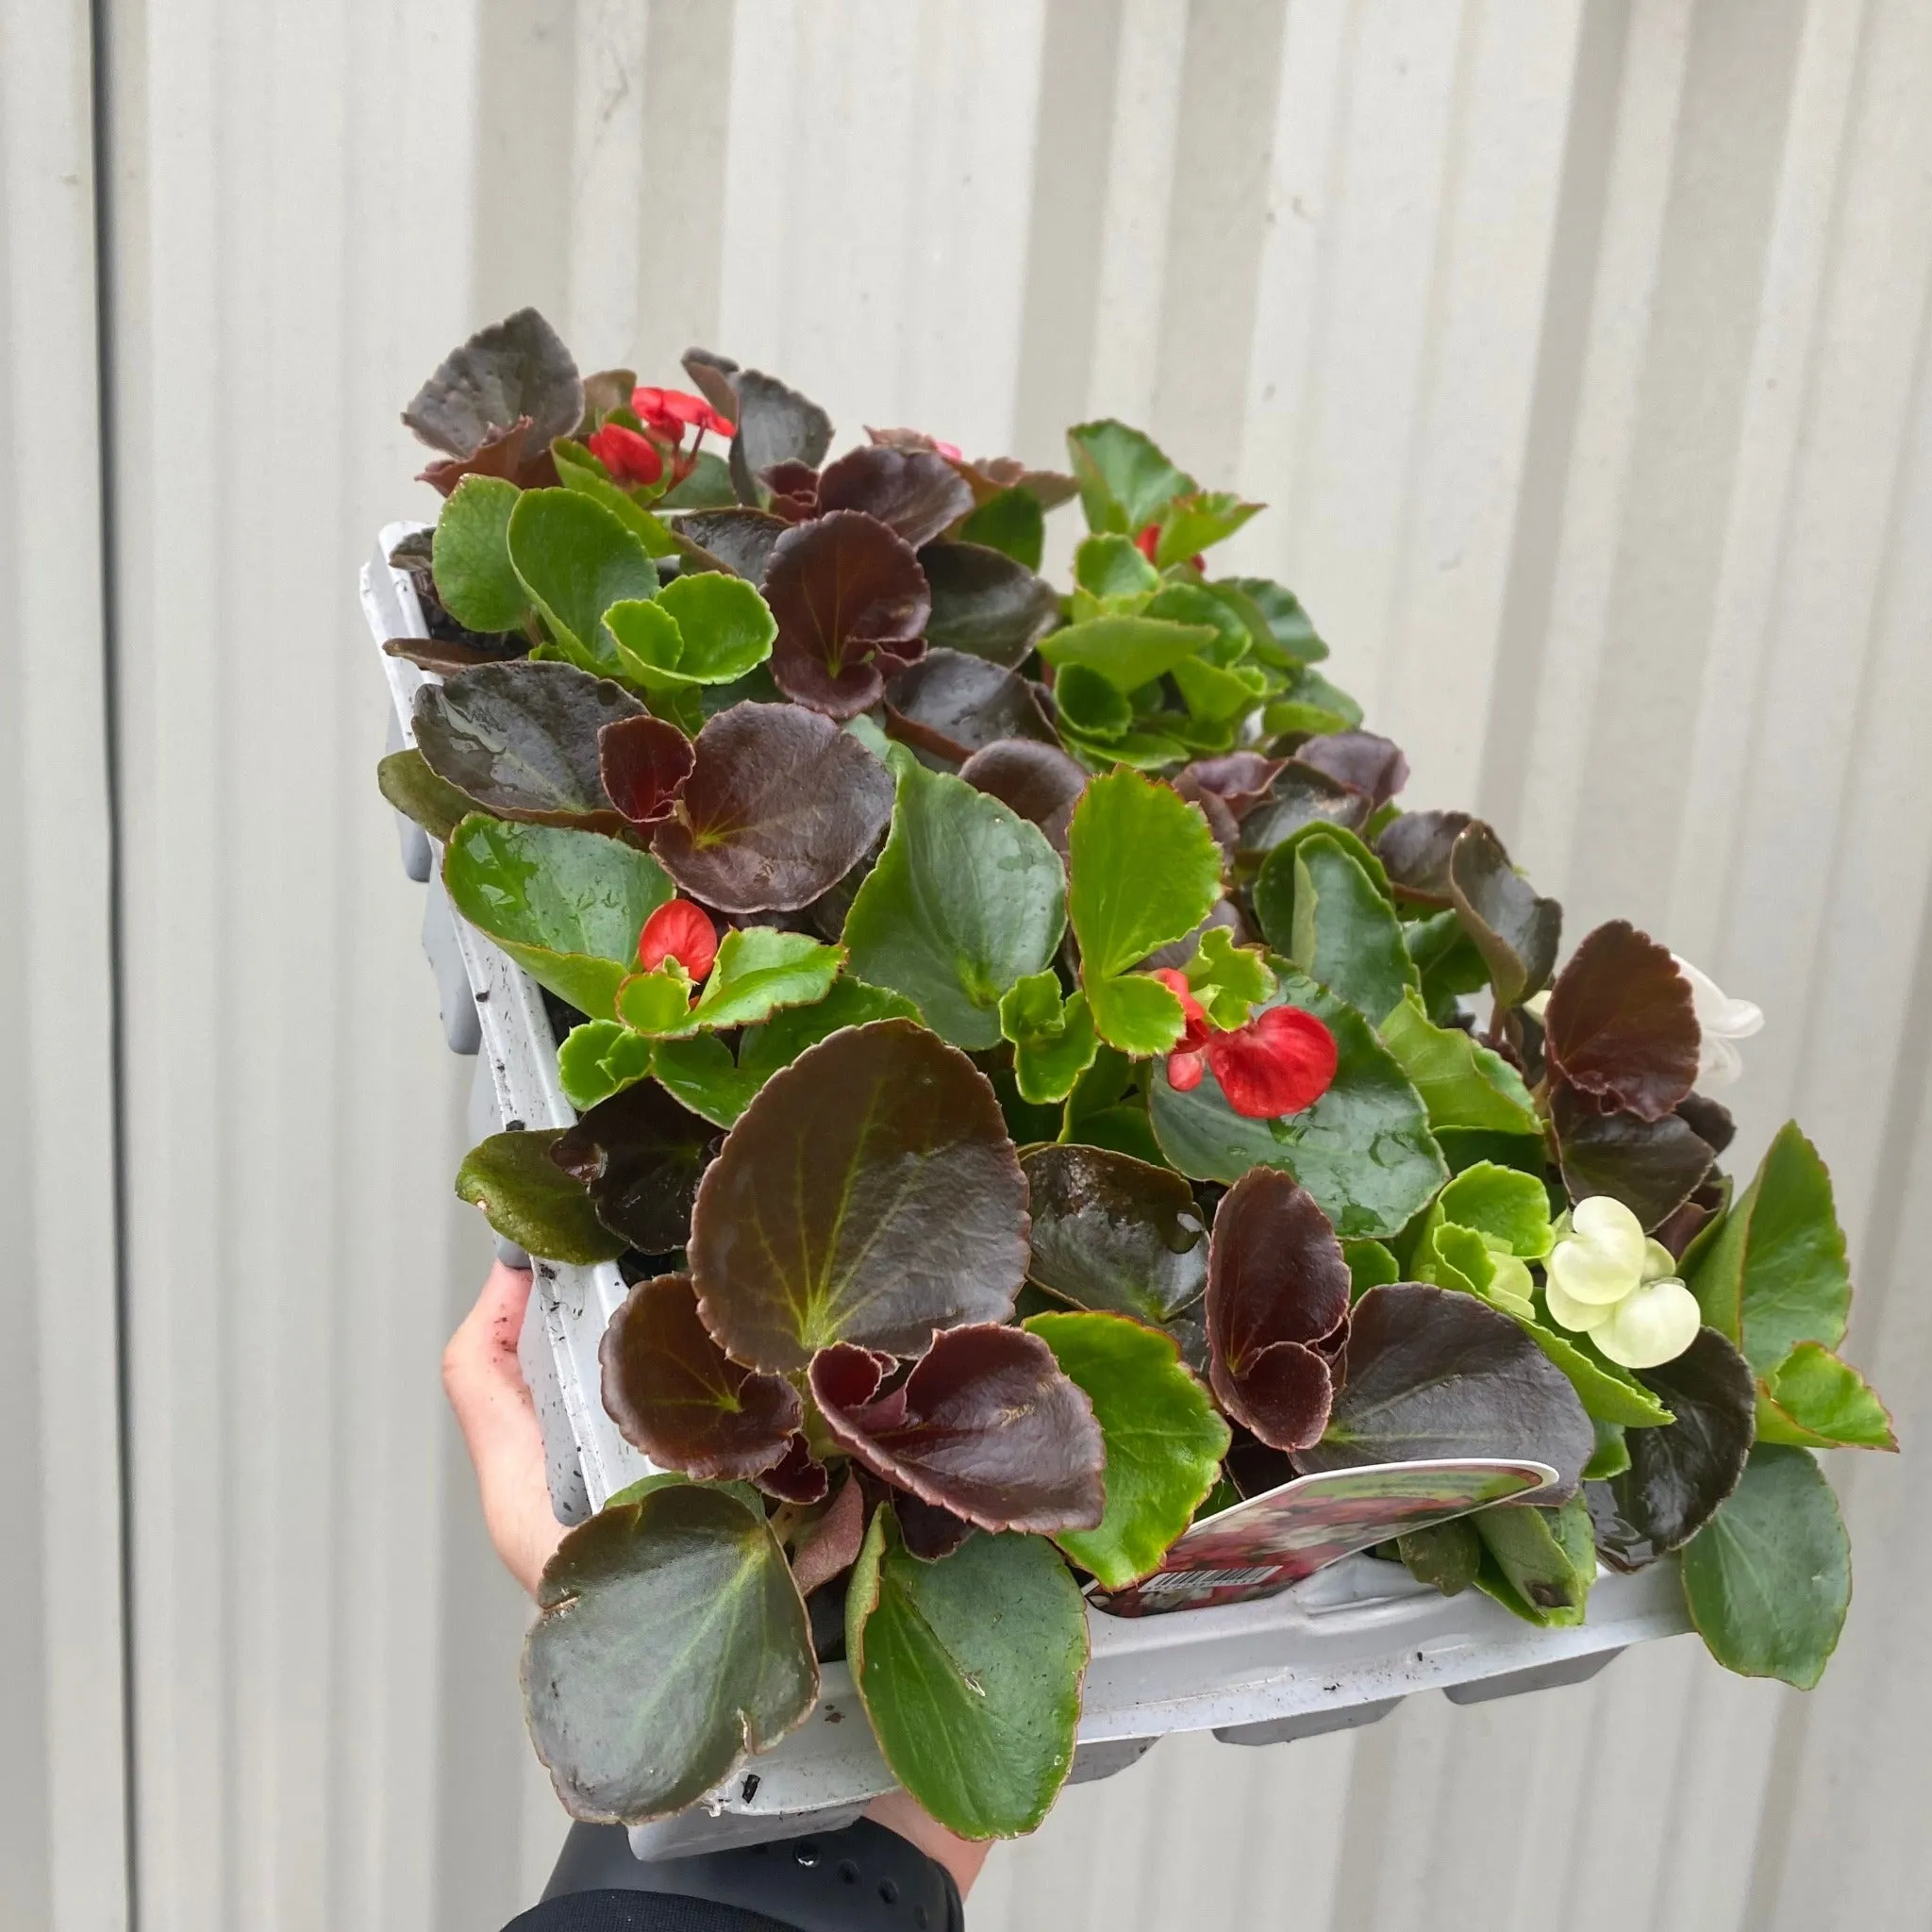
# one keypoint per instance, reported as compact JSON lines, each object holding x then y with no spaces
{"x":681,"y":931}
{"x":628,"y":456}
{"x":1195,"y":1035}
{"x":669,"y":410}
{"x":1281,"y":1062}
{"x":1184,"y":1071}
{"x":1148,"y":544}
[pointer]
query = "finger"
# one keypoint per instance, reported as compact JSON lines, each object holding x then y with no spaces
{"x":486,"y":1387}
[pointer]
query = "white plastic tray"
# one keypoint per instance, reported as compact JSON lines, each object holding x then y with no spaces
{"x":1340,"y":1650}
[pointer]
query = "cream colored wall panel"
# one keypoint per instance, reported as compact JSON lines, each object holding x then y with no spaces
{"x":62,"y":1843}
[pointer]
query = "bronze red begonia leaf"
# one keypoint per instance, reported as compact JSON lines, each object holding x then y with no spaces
{"x":916,"y":494}
{"x":1277,"y":1285}
{"x":867,"y":1194}
{"x":780,"y":804}
{"x":1621,"y":1026}
{"x":847,"y":594}
{"x":640,"y":1155}
{"x":644,"y":762}
{"x":987,"y":1425}
{"x":677,"y":1396}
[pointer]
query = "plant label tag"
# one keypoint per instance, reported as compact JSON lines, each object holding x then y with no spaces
{"x":1268,"y":1542}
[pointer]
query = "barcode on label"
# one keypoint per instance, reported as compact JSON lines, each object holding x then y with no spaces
{"x":1208,"y":1579}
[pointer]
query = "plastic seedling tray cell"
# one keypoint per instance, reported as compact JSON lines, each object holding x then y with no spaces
{"x":1333,"y":1653}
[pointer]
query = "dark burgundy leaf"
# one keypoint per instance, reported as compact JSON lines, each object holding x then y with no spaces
{"x":1679,"y":1473}
{"x":1114,"y":1233}
{"x":645,"y":761}
{"x":1653,"y":1167}
{"x":605,"y":391}
{"x":915,"y":494}
{"x":843,"y":589}
{"x":715,"y":378}
{"x":791,"y":491}
{"x":869,"y":1194}
{"x":517,"y":368}
{"x":447,"y":655}
{"x":987,"y":475}
{"x":1253,"y":1467}
{"x":1298,"y":798}
{"x":1040,"y":782}
{"x":677,"y":1395}
{"x":798,"y":1476}
{"x":1684,"y":1223}
{"x":987,"y":1425}
{"x":957,"y":705}
{"x":1240,"y":779}
{"x":929,"y":1531}
{"x":736,"y":541}
{"x":1515,"y":931}
{"x":1620,"y":1025}
{"x":513,"y":456}
{"x":1220,"y":816}
{"x":1710,"y":1120}
{"x":986,"y":603}
{"x":776,"y":424}
{"x":1359,"y":758}
{"x":642,"y":1156}
{"x":521,"y":738}
{"x":1276,"y":1284}
{"x":831,"y":1545}
{"x":780,"y":804}
{"x":1435,"y":1372}
{"x":1414,"y":849}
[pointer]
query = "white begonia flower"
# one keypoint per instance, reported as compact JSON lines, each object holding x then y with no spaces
{"x":1608,"y":1281}
{"x":1720,"y":1021}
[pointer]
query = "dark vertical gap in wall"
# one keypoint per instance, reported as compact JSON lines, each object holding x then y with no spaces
{"x":1074,"y":127}
{"x":1217,"y":227}
{"x":1568,"y":297}
{"x":100,"y":103}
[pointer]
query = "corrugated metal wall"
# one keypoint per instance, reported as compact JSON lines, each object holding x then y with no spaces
{"x":1579,"y":346}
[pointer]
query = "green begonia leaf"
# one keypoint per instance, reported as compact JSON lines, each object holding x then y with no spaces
{"x":655,"y":1002}
{"x":1447,"y":1556}
{"x":1345,"y":935}
{"x":1192,"y":522}
{"x":1610,"y":1394}
{"x":1506,"y":1206}
{"x":1011,"y":521}
{"x":1144,"y":871}
{"x":1458,"y":1257}
{"x":966,"y":899}
{"x":567,"y":906}
{"x":528,"y":1199}
{"x":577,"y":558}
{"x":579,"y":470}
{"x":669,"y":1641}
{"x":1054,"y":1041}
{"x":1364,"y":1150}
{"x":726,"y":626}
{"x":1776,"y":1274}
{"x":701,"y":1073}
{"x":1127,"y":651}
{"x":1275,"y":620}
{"x":1370,"y":1265}
{"x":1546,"y":1558}
{"x":1164,"y":1441}
{"x":599,"y":1057}
{"x":1816,"y":1401}
{"x":1613,"y":1456}
{"x":645,"y":645}
{"x":759,"y":970}
{"x":1462,"y":1084}
{"x":1275,"y":883}
{"x":1109,"y":565}
{"x":470,"y":557}
{"x":1125,"y":482}
{"x":1089,"y":706}
{"x":970,"y":1670}
{"x":1769,"y":1578}
{"x":1227,"y":979}
{"x":409,"y":784}
{"x":1215,"y":696}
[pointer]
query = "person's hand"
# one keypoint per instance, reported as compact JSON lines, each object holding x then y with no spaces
{"x":485,"y":1383}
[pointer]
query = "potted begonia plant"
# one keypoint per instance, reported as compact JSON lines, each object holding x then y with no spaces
{"x":1042,"y":1089}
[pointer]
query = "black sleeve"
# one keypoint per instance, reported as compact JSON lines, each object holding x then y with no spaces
{"x":824,"y":1881}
